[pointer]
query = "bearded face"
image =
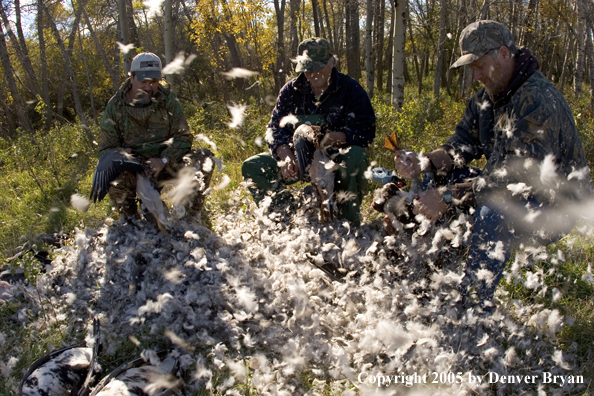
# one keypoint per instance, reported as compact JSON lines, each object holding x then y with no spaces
{"x":142,"y":92}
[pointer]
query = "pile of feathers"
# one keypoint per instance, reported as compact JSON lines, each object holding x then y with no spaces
{"x":246,"y":306}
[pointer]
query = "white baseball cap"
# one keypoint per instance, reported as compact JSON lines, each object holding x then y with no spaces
{"x":146,"y":66}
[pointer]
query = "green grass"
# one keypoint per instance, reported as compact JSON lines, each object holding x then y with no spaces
{"x":577,"y":296}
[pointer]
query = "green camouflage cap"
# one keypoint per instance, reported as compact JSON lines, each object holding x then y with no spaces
{"x":480,"y":37}
{"x":313,"y":54}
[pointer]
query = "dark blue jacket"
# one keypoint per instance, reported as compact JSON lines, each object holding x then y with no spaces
{"x":345,"y":107}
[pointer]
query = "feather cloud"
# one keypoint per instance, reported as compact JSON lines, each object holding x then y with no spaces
{"x":179,"y":64}
{"x":237,"y":112}
{"x":239,"y":72}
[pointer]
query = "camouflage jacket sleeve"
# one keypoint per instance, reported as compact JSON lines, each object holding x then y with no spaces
{"x":473,"y":135}
{"x":162,"y":132}
{"x":531,"y":145}
{"x":180,"y":131}
{"x":109,"y":135}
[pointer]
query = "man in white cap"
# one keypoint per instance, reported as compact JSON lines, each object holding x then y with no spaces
{"x":145,"y":119}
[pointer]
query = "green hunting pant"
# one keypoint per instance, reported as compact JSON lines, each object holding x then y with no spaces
{"x":265,"y":173}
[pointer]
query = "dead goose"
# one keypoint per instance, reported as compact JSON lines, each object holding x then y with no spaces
{"x":141,"y":378}
{"x":315,"y":165}
{"x":65,"y":371}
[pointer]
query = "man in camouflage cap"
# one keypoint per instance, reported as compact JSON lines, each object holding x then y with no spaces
{"x":481,"y":37}
{"x":145,"y":119}
{"x":314,"y":55}
{"x":337,"y":107}
{"x":535,"y":162}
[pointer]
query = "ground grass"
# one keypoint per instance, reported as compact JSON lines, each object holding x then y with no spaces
{"x":577,"y":296}
{"x":39,"y":174}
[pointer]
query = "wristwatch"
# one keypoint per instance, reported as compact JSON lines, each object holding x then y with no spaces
{"x":448,"y":197}
{"x":164,"y":160}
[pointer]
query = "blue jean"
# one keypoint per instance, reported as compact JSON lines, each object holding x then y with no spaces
{"x":498,"y":229}
{"x":499,"y":226}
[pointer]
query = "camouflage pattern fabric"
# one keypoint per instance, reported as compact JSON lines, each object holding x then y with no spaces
{"x":157,"y":130}
{"x":480,"y":37}
{"x":535,"y":129}
{"x":313,"y":55}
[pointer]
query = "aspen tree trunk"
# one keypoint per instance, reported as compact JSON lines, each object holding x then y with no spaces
{"x":440,"y":48}
{"x":19,"y":104}
{"x":415,"y":57}
{"x":391,"y":49}
{"x":168,"y":34}
{"x":281,"y":68}
{"x":66,"y":53}
{"x":580,"y":61}
{"x":89,"y":83}
{"x":45,"y":94}
{"x":168,"y":30}
{"x":125,"y":35}
{"x":132,"y":29}
{"x":236,"y":60}
{"x":513,"y":18}
{"x":22,"y":53}
{"x":329,"y":26}
{"x":566,"y":56}
{"x":380,"y":16}
{"x":530,"y":22}
{"x":294,"y":6}
{"x":112,"y":74}
{"x":590,"y":49}
{"x":353,"y":55}
{"x":369,"y":72}
{"x":485,"y":10}
{"x":590,"y":52}
{"x":321,"y":20}
{"x":466,"y":72}
{"x":314,"y":10}
{"x":398,"y":58}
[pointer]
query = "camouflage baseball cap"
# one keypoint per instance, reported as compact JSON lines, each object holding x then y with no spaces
{"x":313,"y":54}
{"x":480,"y":37}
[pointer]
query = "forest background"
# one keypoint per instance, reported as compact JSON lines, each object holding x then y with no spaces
{"x":62,"y":61}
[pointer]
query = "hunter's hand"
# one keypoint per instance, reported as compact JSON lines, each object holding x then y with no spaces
{"x":333,"y":138}
{"x":407,"y":164}
{"x":289,"y":169}
{"x":156,"y":165}
{"x":430,"y":204}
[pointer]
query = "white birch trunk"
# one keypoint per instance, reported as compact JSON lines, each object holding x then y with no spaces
{"x":168,"y":32}
{"x":580,"y":59}
{"x":398,"y":58}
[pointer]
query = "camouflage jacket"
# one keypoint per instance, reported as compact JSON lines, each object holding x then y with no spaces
{"x":158,"y":130}
{"x":345,"y":107}
{"x":531,"y":145}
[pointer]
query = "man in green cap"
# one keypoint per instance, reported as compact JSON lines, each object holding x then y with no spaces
{"x":535,"y":168}
{"x":339,"y":109}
